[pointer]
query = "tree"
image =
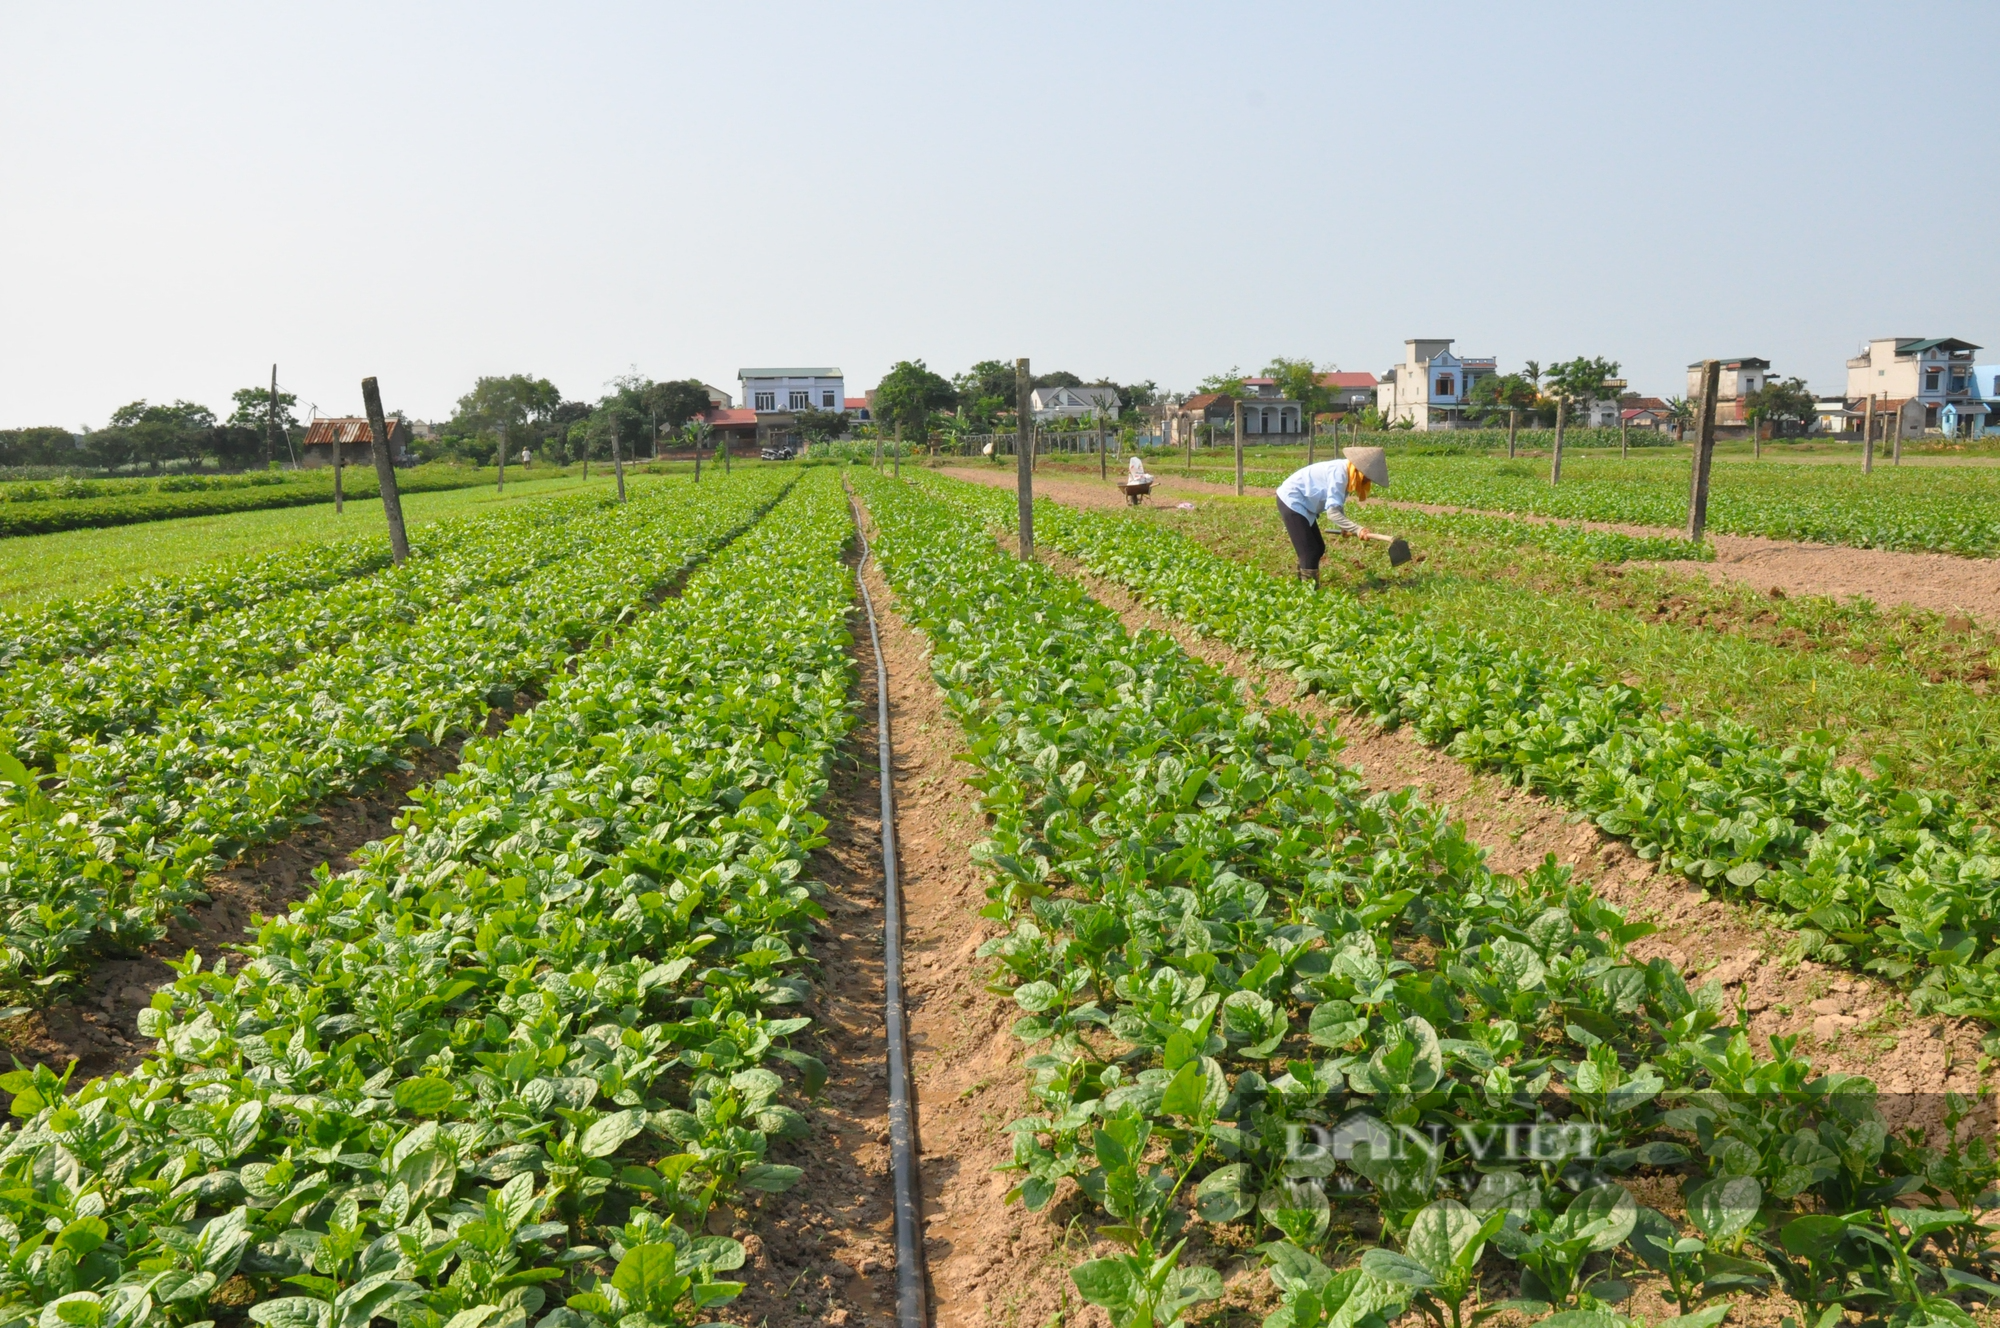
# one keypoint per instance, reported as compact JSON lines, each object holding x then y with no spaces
{"x":157,"y":434}
{"x":1299,"y":380}
{"x":46,"y":445}
{"x":816,"y":426}
{"x":1057,"y":378}
{"x":1580,"y":379}
{"x":1135,"y":395}
{"x":988,"y":378}
{"x":908,"y":394}
{"x":1681,"y":411}
{"x":253,"y":406}
{"x":1782,"y":404}
{"x":1496,"y":394}
{"x":1229,"y":384}
{"x":678,"y":401}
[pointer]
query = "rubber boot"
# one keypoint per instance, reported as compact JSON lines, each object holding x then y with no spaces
{"x":1310,"y":574}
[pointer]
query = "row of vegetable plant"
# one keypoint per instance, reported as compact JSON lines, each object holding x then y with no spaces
{"x":136,"y":822}
{"x":1927,"y":508}
{"x":1902,"y":882}
{"x":504,"y":1069}
{"x":46,"y":708}
{"x":1262,"y":1001}
{"x":301,"y":489}
{"x":136,"y":613}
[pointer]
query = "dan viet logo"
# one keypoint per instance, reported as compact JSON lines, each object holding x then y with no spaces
{"x":1362,"y":1136}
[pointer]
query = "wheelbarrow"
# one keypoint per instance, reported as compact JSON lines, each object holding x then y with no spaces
{"x":1134,"y":492}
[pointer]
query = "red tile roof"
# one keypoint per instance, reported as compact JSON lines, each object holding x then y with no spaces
{"x":721,"y":416}
{"x":348,"y":429}
{"x":855,"y":403}
{"x":1347,"y":380}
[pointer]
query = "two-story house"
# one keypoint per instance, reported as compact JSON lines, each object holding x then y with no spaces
{"x":1737,"y":380}
{"x":791,"y":391}
{"x":1431,"y":388}
{"x":1927,"y":381}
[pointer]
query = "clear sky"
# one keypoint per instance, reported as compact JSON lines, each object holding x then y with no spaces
{"x":1146,"y":191}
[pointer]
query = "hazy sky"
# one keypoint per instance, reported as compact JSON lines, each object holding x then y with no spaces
{"x":428,"y":192}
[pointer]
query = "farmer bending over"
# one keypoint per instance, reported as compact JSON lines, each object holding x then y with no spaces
{"x":1326,"y":487}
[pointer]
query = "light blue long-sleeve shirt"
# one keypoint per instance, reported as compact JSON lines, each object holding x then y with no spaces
{"x":1319,"y":488}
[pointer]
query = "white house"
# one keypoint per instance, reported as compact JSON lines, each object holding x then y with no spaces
{"x":1431,"y":388}
{"x":792,"y":390}
{"x":1071,"y":403}
{"x":1929,"y":380}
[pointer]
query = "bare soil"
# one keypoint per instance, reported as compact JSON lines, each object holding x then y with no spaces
{"x":823,"y":1252}
{"x":1940,"y":582}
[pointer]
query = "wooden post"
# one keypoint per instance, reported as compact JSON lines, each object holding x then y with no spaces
{"x":722,"y":441}
{"x":271,"y":417}
{"x":618,"y":461}
{"x":878,"y":445}
{"x":339,"y":498}
{"x":385,"y":473}
{"x":1624,"y":435}
{"x":1868,"y":437}
{"x":586,"y":452}
{"x":1312,"y":436}
{"x":1187,"y":467}
{"x":896,"y":464}
{"x":1513,"y":424}
{"x":1024,"y":458}
{"x":1239,"y":448}
{"x":1556,"y":452}
{"x":1895,"y":426}
{"x":1100,"y":442}
{"x":1704,"y":450}
{"x":501,"y":487}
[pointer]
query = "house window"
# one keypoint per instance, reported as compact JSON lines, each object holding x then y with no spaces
{"x":767,"y":401}
{"x":826,"y":399}
{"x":1957,"y":383}
{"x":801,"y":401}
{"x":1931,"y":377}
{"x":1444,"y":386}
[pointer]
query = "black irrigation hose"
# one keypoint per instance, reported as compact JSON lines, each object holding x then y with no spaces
{"x":902,"y":1153}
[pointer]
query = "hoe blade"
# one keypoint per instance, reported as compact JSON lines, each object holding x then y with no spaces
{"x":1399,"y":552}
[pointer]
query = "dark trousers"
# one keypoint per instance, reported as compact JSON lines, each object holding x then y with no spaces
{"x":1306,"y":539}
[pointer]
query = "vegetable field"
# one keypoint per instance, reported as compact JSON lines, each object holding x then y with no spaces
{"x":505,"y":1066}
{"x":1258,"y":1005}
{"x":1286,"y":1047}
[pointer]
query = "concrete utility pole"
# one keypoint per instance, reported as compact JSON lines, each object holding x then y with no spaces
{"x":1868,"y":437}
{"x":385,"y":472}
{"x":271,"y":417}
{"x":1556,"y":452}
{"x":1239,"y":447}
{"x":1704,"y":450}
{"x":1024,"y":458}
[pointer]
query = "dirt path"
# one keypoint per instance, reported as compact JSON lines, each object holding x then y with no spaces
{"x":1940,"y":582}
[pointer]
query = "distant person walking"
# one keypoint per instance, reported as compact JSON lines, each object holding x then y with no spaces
{"x":1324,"y":488}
